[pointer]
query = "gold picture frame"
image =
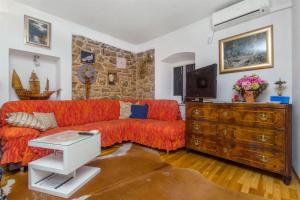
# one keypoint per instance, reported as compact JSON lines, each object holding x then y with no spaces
{"x":247,"y":51}
{"x":37,"y":32}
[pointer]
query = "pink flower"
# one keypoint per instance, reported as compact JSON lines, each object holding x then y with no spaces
{"x":246,"y":85}
{"x":252,"y":82}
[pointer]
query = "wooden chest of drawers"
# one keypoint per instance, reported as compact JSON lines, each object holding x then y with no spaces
{"x":258,"y":135}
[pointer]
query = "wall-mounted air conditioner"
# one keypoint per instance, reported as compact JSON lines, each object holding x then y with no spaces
{"x":240,"y":12}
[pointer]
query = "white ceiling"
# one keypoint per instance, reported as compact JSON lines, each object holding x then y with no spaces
{"x":135,"y":21}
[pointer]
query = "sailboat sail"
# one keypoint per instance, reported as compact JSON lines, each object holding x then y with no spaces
{"x":16,"y":81}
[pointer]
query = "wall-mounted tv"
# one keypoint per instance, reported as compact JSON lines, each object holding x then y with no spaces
{"x":202,"y":83}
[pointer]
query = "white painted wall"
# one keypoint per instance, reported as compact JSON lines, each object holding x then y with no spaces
{"x":194,"y":38}
{"x":11,"y":32}
{"x":296,"y":86}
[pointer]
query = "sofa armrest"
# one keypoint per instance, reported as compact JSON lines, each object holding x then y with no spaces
{"x":8,"y":133}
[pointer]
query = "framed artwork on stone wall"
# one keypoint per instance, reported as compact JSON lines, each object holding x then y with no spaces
{"x":112,"y":78}
{"x":87,"y":57}
{"x":247,"y":51}
{"x":37,"y":32}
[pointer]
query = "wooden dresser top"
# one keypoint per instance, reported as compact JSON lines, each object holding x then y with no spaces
{"x":241,"y":104}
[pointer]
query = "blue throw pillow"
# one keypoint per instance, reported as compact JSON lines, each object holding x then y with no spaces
{"x":139,"y":111}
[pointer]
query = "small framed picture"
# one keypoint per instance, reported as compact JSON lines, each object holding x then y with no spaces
{"x":37,"y":32}
{"x":87,"y":57}
{"x":112,"y":78}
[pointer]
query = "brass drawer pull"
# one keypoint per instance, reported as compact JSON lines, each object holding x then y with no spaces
{"x":225,"y":150}
{"x":263,"y":116}
{"x":234,"y":133}
{"x":196,"y":127}
{"x":264,"y":158}
{"x":225,"y":132}
{"x":225,"y":114}
{"x":263,"y":138}
{"x":196,"y":112}
{"x":197,"y":142}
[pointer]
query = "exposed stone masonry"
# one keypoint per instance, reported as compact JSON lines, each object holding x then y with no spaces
{"x":145,"y":76}
{"x":129,"y":85}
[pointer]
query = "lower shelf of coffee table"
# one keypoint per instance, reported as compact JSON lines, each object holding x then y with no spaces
{"x":60,"y":185}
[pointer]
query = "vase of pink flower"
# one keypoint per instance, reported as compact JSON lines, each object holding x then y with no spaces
{"x":250,"y":87}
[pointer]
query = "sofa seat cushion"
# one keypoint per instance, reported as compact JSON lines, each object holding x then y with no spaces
{"x":167,"y":135}
{"x":112,"y":131}
{"x":14,"y":142}
{"x":8,"y":132}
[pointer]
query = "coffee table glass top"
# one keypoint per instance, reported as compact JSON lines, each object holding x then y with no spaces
{"x":65,"y":138}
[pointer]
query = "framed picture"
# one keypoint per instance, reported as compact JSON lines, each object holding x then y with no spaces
{"x":112,"y":78}
{"x":87,"y":57}
{"x":37,"y":32}
{"x":248,"y":51}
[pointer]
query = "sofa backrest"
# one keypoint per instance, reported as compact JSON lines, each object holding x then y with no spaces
{"x":77,"y":112}
{"x":68,"y":113}
{"x":167,"y":110}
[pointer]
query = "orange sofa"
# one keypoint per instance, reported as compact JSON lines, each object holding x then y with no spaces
{"x":163,"y":129}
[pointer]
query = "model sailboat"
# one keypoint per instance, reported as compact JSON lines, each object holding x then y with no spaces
{"x":34,"y":88}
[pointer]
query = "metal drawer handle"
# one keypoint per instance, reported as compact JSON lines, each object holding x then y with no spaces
{"x":196,"y":112}
{"x":225,"y":132}
{"x":197,"y":142}
{"x":263,"y":116}
{"x":225,"y":150}
{"x":225,"y":114}
{"x":263,"y":138}
{"x":264,"y":158}
{"x":196,"y":127}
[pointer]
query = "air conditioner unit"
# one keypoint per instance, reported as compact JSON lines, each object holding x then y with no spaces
{"x":240,"y":12}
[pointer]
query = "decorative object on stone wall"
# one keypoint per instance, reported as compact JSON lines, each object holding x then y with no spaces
{"x":280,"y":87}
{"x":250,"y":87}
{"x":121,"y":63}
{"x":37,"y":32}
{"x":128,"y":85}
{"x":87,"y":75}
{"x":34,"y":88}
{"x":144,"y":64}
{"x":112,"y":78}
{"x":87,"y":57}
{"x":248,"y":51}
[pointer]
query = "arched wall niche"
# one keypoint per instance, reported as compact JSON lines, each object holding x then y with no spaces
{"x":181,"y":57}
{"x":176,"y":60}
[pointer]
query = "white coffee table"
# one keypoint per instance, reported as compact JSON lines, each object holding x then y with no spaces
{"x":63,"y":172}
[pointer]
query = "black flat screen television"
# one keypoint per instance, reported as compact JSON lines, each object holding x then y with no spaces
{"x":202,"y":83}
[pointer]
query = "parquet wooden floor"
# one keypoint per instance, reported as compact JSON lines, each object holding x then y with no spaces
{"x":229,"y":175}
{"x":232,"y":176}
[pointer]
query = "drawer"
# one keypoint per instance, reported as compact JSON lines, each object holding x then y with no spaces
{"x":202,"y":113}
{"x":252,"y":136}
{"x":270,"y":160}
{"x":262,"y":117}
{"x":203,"y":144}
{"x":202,"y":128}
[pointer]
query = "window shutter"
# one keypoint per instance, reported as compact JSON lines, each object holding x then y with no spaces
{"x":178,"y":81}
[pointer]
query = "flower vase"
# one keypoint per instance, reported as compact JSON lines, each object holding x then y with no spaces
{"x":249,"y":96}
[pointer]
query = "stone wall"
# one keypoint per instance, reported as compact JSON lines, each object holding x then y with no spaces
{"x":145,"y":86}
{"x":128,"y":85}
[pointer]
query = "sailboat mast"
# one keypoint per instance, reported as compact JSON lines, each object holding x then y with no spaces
{"x":47,"y":85}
